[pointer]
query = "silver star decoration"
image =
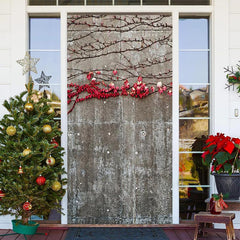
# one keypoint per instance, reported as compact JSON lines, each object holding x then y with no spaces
{"x":43,"y":81}
{"x":28,"y":63}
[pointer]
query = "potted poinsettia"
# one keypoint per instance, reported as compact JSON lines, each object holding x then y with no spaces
{"x":221,"y":153}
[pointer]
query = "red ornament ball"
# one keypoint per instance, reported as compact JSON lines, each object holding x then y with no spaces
{"x":27,"y":206}
{"x":55,"y":143}
{"x":2,"y":194}
{"x":41,"y":180}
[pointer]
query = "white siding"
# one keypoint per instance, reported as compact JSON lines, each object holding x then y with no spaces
{"x":12,"y":47}
{"x":234,"y":6}
{"x":4,"y":78}
{"x":4,"y":41}
{"x":234,"y":58}
{"x":5,"y":7}
{"x":5,"y":58}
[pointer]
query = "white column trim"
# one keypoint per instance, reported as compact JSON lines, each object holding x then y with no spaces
{"x":175,"y":121}
{"x":194,"y":9}
{"x":63,"y":21}
{"x":220,"y":98}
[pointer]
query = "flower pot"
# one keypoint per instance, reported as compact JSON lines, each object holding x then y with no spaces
{"x":228,"y":184}
{"x":20,"y":228}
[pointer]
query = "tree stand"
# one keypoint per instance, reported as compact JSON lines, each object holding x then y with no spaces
{"x":20,"y":228}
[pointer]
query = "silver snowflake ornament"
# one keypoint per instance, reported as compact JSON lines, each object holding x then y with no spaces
{"x":28,"y":63}
{"x":43,"y":81}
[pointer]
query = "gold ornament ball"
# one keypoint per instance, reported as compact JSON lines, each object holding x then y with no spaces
{"x":56,"y":186}
{"x":50,"y":161}
{"x":11,"y":130}
{"x":26,"y":152}
{"x":29,"y":107}
{"x":50,"y":111}
{"x":47,"y":128}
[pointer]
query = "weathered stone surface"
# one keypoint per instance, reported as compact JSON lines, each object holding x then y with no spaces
{"x":120,"y":149}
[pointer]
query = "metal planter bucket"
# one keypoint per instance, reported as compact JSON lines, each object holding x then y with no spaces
{"x":228,"y":184}
{"x":20,"y":228}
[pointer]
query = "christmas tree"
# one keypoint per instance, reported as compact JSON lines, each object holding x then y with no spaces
{"x":31,"y":163}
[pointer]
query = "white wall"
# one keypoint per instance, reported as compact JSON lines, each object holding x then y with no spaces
{"x":12,"y":40}
{"x":234,"y":57}
{"x":12,"y":47}
{"x":5,"y":50}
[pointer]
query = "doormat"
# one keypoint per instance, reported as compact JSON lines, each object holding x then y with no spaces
{"x":116,"y":233}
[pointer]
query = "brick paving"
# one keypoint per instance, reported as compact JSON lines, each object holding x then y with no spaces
{"x":173,"y":233}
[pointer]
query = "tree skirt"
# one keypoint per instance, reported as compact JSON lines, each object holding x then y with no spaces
{"x":116,"y":233}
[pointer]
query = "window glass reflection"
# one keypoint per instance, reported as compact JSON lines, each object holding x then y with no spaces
{"x":193,"y":101}
{"x":155,"y":2}
{"x":190,"y":2}
{"x":191,"y":169}
{"x":99,"y":2}
{"x":193,"y":33}
{"x":192,"y":201}
{"x":70,"y":2}
{"x":189,"y":129}
{"x":49,"y":63}
{"x":44,"y":33}
{"x":42,"y":2}
{"x":194,"y":67}
{"x":127,"y":2}
{"x":120,"y":2}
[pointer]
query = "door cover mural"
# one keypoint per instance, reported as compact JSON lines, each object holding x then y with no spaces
{"x":120,"y":119}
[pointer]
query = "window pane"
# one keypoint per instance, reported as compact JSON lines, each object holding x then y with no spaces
{"x":42,"y":2}
{"x":155,"y":2}
{"x":50,"y":64}
{"x":70,"y":2}
{"x":194,"y":67}
{"x":191,"y":169}
{"x":193,"y":33}
{"x":193,"y":101}
{"x":127,"y":2}
{"x":189,"y":129}
{"x":192,"y":201}
{"x":44,"y":33}
{"x":195,"y":145}
{"x":190,"y":2}
{"x":99,"y":2}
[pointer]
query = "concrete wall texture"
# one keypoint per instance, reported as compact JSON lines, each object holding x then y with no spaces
{"x":120,"y":149}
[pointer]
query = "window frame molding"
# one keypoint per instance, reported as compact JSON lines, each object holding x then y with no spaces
{"x":176,"y":12}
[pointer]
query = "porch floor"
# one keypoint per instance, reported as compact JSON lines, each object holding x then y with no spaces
{"x":173,"y":232}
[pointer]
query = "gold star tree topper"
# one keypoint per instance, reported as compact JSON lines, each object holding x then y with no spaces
{"x":28,"y":63}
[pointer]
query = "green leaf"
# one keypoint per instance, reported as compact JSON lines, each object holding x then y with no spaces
{"x":238,"y":163}
{"x":207,"y":160}
{"x":211,"y":148}
{"x":227,"y":167}
{"x":222,"y":157}
{"x":237,"y":145}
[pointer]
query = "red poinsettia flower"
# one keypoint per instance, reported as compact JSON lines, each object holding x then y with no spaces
{"x":205,"y":153}
{"x":222,"y":153}
{"x":229,"y":147}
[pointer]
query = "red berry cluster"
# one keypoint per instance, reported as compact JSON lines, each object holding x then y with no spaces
{"x":94,"y":89}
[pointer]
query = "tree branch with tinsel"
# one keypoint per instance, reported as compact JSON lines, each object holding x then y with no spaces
{"x":101,"y":90}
